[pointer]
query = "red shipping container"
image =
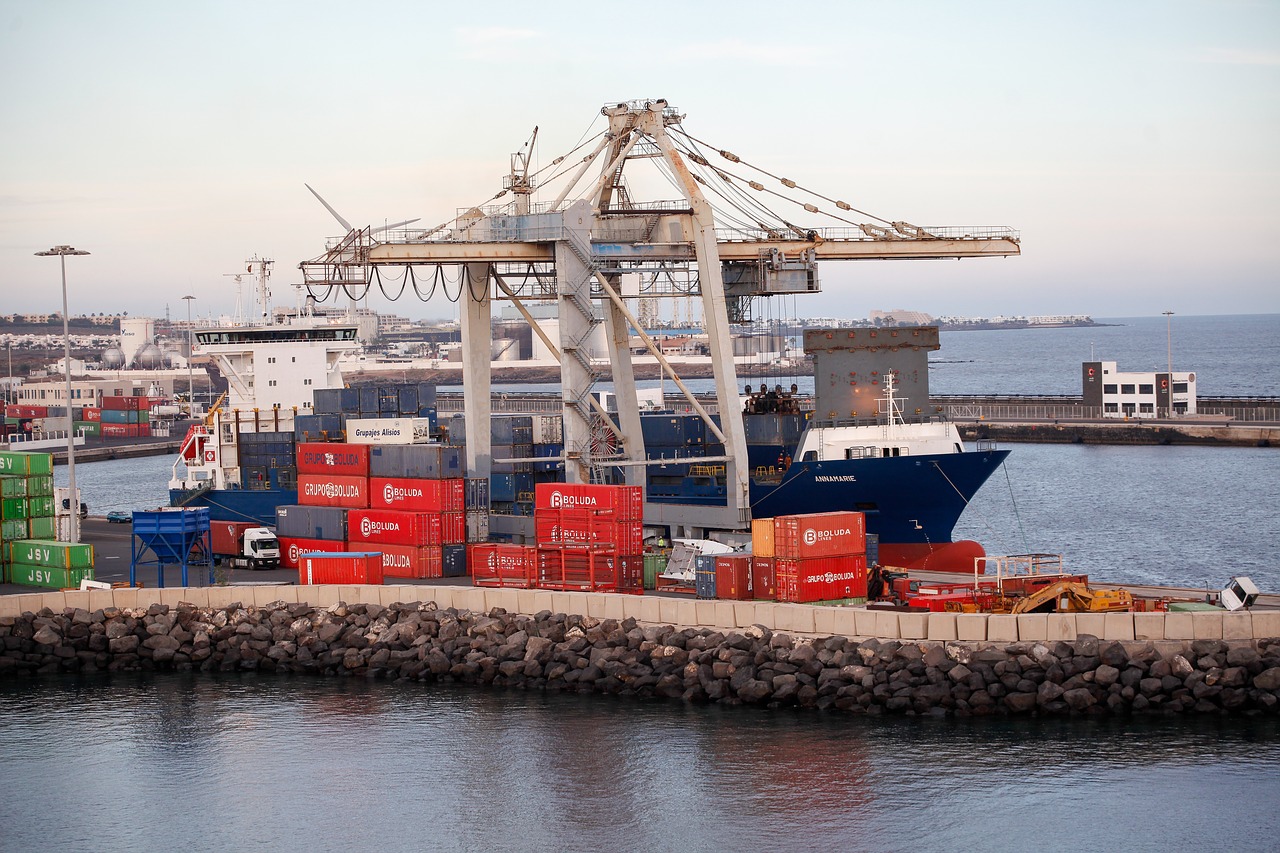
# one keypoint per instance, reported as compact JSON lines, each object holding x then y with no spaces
{"x":733,"y":578}
{"x":91,"y":413}
{"x":26,"y":411}
{"x":333,"y":490}
{"x":631,"y":574}
{"x":125,"y":430}
{"x":340,"y":567}
{"x":292,"y":547}
{"x":762,"y":580}
{"x":587,"y":528}
{"x":349,"y":460}
{"x":819,"y":534}
{"x":412,"y":495}
{"x":577,"y":569}
{"x":406,"y":528}
{"x":627,"y":502}
{"x":409,"y":561}
{"x":494,"y":564}
{"x":226,"y":536}
{"x":821,"y":578}
{"x":129,"y":404}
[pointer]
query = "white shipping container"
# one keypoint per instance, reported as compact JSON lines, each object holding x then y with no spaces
{"x":389,"y":430}
{"x":548,"y":429}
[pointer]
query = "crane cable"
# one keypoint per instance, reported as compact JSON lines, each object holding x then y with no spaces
{"x":786,"y":182}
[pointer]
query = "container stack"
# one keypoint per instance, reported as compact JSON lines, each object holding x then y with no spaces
{"x":527,"y":450}
{"x":87,"y":420}
{"x":27,"y":506}
{"x":303,"y":529}
{"x":417,"y":510}
{"x":334,"y":406}
{"x":815,"y":557}
{"x":125,"y":417}
{"x":47,"y":562}
{"x":590,"y":537}
{"x":267,"y":460}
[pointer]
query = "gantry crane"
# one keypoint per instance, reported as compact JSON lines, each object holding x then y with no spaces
{"x":596,"y":245}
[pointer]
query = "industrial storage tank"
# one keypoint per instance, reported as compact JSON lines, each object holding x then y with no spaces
{"x":113,"y":358}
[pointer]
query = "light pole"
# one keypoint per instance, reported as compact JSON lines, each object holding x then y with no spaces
{"x":191,"y":386}
{"x":74,"y":501}
{"x":1168,"y":316}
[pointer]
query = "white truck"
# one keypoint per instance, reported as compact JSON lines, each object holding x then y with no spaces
{"x":244,"y":545}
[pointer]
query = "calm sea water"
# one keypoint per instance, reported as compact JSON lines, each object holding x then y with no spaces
{"x":278,"y":763}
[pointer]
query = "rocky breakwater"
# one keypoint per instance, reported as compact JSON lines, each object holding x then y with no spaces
{"x":554,"y":651}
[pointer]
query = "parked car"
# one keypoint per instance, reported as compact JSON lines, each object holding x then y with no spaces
{"x":119,"y":516}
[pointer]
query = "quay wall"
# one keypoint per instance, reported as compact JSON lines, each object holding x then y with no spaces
{"x":559,"y":650}
{"x":800,"y":619}
{"x":1122,"y":433}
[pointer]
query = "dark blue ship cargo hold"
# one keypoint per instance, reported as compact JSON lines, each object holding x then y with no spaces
{"x":416,"y":461}
{"x":312,"y":522}
{"x":704,"y":576}
{"x":774,"y":429}
{"x":454,"y":561}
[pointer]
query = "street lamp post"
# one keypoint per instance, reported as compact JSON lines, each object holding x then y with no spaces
{"x":73,"y":503}
{"x":1168,"y":316}
{"x":191,"y":387}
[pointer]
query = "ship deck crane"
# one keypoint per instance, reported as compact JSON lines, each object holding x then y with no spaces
{"x":596,"y":245}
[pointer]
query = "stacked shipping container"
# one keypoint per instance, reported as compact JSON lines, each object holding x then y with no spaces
{"x":812,"y":557}
{"x":29,"y":554}
{"x":590,"y":537}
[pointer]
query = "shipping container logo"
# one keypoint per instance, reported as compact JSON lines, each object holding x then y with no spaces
{"x":331,"y":490}
{"x":392,"y":494}
{"x":832,"y":577}
{"x":813,"y":537}
{"x":834,"y":478}
{"x":331,"y":459}
{"x":395,"y":561}
{"x":559,"y":500}
{"x":294,"y":551}
{"x":369,"y":527}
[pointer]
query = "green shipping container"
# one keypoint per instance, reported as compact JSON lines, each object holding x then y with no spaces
{"x":654,"y":564}
{"x":15,"y":528}
{"x":40,"y":486}
{"x":11,"y":508}
{"x":45,"y":527}
{"x":25,"y":464}
{"x":91,"y":429}
{"x":40,"y":507}
{"x":12,"y":487}
{"x":49,"y":552}
{"x":48,"y":576}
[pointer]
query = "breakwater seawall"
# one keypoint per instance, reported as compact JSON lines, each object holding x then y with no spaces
{"x":1131,"y":432}
{"x":560,"y":652}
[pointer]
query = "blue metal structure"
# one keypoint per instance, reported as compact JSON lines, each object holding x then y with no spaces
{"x":175,"y":536}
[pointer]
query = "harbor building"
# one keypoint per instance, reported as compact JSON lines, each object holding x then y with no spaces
{"x":1137,"y":395}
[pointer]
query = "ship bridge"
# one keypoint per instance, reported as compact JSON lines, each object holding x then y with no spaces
{"x":736,"y":233}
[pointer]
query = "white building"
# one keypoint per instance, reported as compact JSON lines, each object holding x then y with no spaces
{"x":1137,"y":395}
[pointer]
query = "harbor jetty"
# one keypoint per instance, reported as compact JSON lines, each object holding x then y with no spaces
{"x":574,"y":652}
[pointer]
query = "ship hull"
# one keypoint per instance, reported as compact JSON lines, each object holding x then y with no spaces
{"x":252,"y":505}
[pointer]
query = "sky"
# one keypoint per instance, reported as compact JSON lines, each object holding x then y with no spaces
{"x":1134,"y":146}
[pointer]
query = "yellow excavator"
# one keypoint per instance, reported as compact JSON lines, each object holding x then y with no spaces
{"x":1074,"y":597}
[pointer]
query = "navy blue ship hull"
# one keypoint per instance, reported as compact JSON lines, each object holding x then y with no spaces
{"x":253,"y":505}
{"x":905,"y":498}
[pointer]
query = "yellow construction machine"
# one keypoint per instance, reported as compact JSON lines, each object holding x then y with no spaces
{"x":1074,"y":597}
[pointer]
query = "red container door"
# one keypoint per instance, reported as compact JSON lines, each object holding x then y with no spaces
{"x":762,"y":579}
{"x":733,"y":578}
{"x":333,"y":490}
